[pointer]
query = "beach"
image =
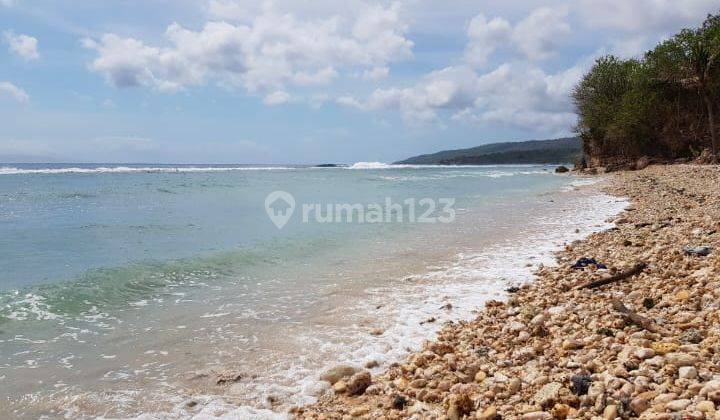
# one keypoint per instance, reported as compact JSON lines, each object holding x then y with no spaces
{"x":630,"y":331}
{"x":167,"y":291}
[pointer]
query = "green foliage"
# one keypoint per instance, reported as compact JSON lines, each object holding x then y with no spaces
{"x":660,"y":105}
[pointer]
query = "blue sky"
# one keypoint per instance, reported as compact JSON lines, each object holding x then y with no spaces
{"x":233,"y":81}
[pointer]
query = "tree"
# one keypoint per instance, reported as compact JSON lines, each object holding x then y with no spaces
{"x":690,"y":60}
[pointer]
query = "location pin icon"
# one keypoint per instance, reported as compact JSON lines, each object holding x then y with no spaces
{"x":280,"y":206}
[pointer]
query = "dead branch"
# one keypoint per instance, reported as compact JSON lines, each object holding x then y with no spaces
{"x":637,"y":269}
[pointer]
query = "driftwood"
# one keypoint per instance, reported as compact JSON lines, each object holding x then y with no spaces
{"x":637,"y":269}
{"x":633,"y":317}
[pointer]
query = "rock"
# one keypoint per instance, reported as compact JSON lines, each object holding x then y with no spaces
{"x":705,"y":407}
{"x":336,"y":373}
{"x":696,"y":251}
{"x":664,"y":348}
{"x":459,"y":405}
{"x":537,"y":415}
{"x":677,"y":405}
{"x":644,"y":353}
{"x":359,"y":411}
{"x":489,"y":413}
{"x":680,"y":359}
{"x":610,"y":412}
{"x":687,"y":372}
{"x":514,"y":385}
{"x":548,"y":394}
{"x":561,"y":169}
{"x":399,"y":402}
{"x":339,"y":387}
{"x":560,"y":411}
{"x":358,"y":383}
{"x":639,"y":405}
{"x":580,"y":384}
{"x":371,"y":364}
{"x":480,"y":376}
{"x":642,"y":163}
{"x":682,"y":295}
{"x":692,"y":336}
{"x":377,"y":331}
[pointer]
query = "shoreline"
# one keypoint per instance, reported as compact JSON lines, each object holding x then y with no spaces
{"x":553,"y":351}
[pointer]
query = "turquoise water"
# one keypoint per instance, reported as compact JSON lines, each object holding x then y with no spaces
{"x":117,"y":279}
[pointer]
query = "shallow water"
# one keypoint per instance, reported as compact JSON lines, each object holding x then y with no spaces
{"x":123,"y":288}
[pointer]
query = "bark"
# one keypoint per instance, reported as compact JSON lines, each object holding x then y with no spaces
{"x":711,"y":122}
{"x":637,"y":269}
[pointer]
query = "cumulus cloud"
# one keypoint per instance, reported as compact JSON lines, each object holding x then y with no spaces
{"x":9,"y":89}
{"x":24,"y":46}
{"x":484,"y":37}
{"x":267,"y":54}
{"x":645,"y":15}
{"x":510,"y":95}
{"x":537,"y":36}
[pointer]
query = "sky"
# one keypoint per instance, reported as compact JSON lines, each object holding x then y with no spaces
{"x":236,"y":81}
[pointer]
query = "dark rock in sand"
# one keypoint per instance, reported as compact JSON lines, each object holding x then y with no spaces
{"x":399,"y":402}
{"x":580,"y":384}
{"x":697,"y":250}
{"x":561,"y":169}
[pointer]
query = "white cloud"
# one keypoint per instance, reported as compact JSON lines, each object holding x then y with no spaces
{"x":24,"y":46}
{"x":645,"y":15}
{"x":484,"y":37}
{"x":539,"y":34}
{"x":7,"y":88}
{"x":277,"y":98}
{"x":511,"y":95}
{"x":7,"y":3}
{"x":376,"y":73}
{"x":271,"y":52}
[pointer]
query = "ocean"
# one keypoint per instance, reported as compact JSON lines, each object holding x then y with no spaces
{"x":128,"y":290}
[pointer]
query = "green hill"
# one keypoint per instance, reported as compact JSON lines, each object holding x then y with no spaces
{"x":563,"y":150}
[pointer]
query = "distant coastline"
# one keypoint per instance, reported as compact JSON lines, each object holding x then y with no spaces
{"x":554,"y":151}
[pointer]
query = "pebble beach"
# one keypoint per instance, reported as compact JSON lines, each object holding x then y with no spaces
{"x":627,"y":325}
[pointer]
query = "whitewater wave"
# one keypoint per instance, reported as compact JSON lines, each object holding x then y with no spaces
{"x":10,"y":170}
{"x":382,"y":165}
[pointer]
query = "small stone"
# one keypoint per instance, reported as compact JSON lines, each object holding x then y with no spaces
{"x":489,"y":413}
{"x":459,"y":405}
{"x":377,"y":331}
{"x":372,"y":364}
{"x":692,"y":336}
{"x":358,"y":383}
{"x":648,"y":303}
{"x":664,"y":348}
{"x":705,"y":407}
{"x":480,"y":376}
{"x":399,"y":402}
{"x":560,"y":411}
{"x":548,"y":394}
{"x":580,"y":384}
{"x":639,"y":405}
{"x":682,"y":295}
{"x":336,"y":373}
{"x":514,"y":385}
{"x":572,"y":344}
{"x":339,"y":387}
{"x":359,"y":411}
{"x":680,"y":359}
{"x":537,"y":415}
{"x":677,"y":405}
{"x":644,"y":353}
{"x":610,"y":412}
{"x":687,"y":372}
